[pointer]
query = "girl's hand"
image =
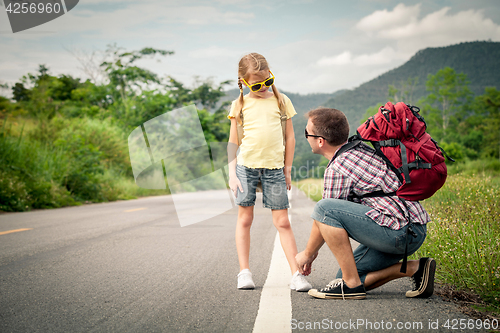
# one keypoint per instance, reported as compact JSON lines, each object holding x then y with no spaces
{"x":235,"y":184}
{"x":288,"y":177}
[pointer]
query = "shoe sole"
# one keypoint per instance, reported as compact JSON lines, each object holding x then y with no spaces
{"x":246,"y":283}
{"x":246,"y":288}
{"x":317,"y":294}
{"x":427,"y":286}
{"x":292,"y":287}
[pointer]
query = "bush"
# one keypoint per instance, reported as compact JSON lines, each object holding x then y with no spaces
{"x":464,"y":235}
{"x":454,"y":150}
{"x":13,"y":193}
{"x":58,"y":168}
{"x":475,"y":167}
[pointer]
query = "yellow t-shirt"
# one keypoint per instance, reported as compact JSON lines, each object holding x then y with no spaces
{"x":262,"y":143}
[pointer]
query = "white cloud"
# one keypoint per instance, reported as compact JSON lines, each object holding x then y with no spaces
{"x":386,"y":39}
{"x":342,"y":59}
{"x":203,"y":15}
{"x":438,"y":28}
{"x":385,"y":56}
{"x":382,"y":20}
{"x":143,"y":19}
{"x":213,"y":52}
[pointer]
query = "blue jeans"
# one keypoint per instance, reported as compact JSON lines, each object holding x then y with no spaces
{"x":380,"y":247}
{"x":273,"y":182}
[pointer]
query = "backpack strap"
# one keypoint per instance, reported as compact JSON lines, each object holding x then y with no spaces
{"x":409,"y":231}
{"x":405,"y":168}
{"x":419,"y":164}
{"x":442,"y":150}
{"x":351,"y":143}
{"x":404,"y":159}
{"x":376,"y":145}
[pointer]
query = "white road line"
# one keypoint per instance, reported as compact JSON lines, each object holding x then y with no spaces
{"x":275,"y":308}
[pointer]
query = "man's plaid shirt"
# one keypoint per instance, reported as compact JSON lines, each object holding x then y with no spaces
{"x":361,"y":171}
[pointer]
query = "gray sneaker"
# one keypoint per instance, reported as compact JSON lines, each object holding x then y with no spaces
{"x":423,"y":279}
{"x":337,"y":289}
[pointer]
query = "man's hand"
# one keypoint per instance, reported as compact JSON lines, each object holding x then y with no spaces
{"x":304,"y":262}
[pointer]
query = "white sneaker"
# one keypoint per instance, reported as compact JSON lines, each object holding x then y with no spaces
{"x":245,"y":280}
{"x":299,"y":282}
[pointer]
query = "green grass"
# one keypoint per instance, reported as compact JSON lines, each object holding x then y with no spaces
{"x":464,"y":235}
{"x":312,"y":187}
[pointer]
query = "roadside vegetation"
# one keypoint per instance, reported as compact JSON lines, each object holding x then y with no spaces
{"x":464,"y":236}
{"x":64,"y":142}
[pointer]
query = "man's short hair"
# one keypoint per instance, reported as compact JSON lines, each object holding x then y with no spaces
{"x":331,"y":124}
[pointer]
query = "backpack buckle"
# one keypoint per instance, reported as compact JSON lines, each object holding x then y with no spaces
{"x":389,"y":143}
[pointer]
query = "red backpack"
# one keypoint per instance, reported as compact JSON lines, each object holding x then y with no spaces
{"x":397,"y":132}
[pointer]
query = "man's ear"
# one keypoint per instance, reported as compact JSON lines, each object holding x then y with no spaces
{"x":321,"y":142}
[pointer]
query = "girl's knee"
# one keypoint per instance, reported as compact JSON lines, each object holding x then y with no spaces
{"x":245,"y":216}
{"x":282,"y":223}
{"x":245,"y":222}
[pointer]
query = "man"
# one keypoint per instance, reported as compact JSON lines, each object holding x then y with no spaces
{"x":379,"y":224}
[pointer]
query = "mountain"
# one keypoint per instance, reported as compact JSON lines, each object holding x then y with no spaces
{"x":478,"y":60}
{"x":301,"y":103}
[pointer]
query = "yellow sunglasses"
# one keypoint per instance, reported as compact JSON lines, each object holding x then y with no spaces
{"x":257,"y":86}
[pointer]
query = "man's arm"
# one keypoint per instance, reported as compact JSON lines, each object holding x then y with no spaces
{"x":336,"y":186}
{"x":305,"y":258}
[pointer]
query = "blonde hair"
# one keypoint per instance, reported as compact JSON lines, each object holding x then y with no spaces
{"x":253,"y":63}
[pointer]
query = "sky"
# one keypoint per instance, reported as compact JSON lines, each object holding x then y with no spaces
{"x":312,"y":46}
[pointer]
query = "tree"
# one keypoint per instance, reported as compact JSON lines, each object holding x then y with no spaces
{"x":371,"y":111}
{"x":125,"y":76}
{"x":487,"y":121}
{"x":205,"y":94}
{"x":62,"y":87}
{"x":403,"y":92}
{"x":19,"y":92}
{"x":449,"y":93}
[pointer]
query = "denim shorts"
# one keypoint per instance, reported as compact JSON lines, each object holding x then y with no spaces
{"x":380,"y":247}
{"x":273,"y":187}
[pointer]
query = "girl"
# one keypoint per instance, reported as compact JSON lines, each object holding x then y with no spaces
{"x":261,"y":158}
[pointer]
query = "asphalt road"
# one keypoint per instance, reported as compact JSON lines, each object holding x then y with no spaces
{"x":129,"y":266}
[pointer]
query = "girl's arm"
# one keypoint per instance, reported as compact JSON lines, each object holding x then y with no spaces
{"x":289,"y":152}
{"x":232,"y":147}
